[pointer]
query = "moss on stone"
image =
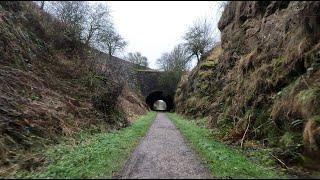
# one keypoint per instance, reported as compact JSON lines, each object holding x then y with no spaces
{"x":207,"y":65}
{"x":205,"y":74}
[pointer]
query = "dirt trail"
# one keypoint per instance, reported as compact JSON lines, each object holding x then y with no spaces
{"x":163,"y":153}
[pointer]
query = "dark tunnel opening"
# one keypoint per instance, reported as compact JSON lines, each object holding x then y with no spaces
{"x":159,"y":95}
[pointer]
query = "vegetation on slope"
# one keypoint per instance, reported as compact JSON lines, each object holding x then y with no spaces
{"x":261,"y":83}
{"x":88,"y":155}
{"x":51,"y":85}
{"x":222,"y":161}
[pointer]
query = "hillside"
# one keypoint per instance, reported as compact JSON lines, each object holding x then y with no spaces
{"x":52,"y":86}
{"x":260,"y":86}
{"x":249,"y":109}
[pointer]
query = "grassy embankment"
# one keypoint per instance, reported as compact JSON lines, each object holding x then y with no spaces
{"x":92,"y":156}
{"x":222,"y":161}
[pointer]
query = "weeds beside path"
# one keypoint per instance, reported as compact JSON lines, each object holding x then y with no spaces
{"x":222,"y":161}
{"x":93,"y":156}
{"x":163,"y":154}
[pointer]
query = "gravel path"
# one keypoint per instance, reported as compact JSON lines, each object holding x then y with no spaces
{"x":163,"y":153}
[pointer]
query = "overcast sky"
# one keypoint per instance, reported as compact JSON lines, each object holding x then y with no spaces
{"x":155,"y":27}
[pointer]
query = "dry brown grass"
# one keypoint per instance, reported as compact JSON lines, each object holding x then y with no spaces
{"x":131,"y":104}
{"x":48,"y":86}
{"x":272,"y":74}
{"x":311,"y":132}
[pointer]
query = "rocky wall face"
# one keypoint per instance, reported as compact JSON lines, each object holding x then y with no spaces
{"x":149,"y":82}
{"x":143,"y":81}
{"x":271,"y":27}
{"x":121,"y":70}
{"x":266,"y":72}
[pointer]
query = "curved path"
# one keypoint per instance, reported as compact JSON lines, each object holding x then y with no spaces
{"x":163,"y":153}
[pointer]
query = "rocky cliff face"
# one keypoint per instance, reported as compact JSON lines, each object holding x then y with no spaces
{"x":264,"y":76}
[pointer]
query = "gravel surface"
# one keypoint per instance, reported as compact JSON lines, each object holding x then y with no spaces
{"x":163,"y":153}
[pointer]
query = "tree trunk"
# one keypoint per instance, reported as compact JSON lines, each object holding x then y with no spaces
{"x":42,"y":5}
{"x":109,"y":57}
{"x":88,"y":40}
{"x":90,"y":34}
{"x":198,"y":58}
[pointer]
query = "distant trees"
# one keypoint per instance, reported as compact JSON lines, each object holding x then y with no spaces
{"x":180,"y":58}
{"x":164,"y":62}
{"x":72,"y":13}
{"x":98,"y":19}
{"x":199,"y":38}
{"x":174,"y":64}
{"x":177,"y":60}
{"x":111,"y":40}
{"x":89,"y":23}
{"x":137,"y":59}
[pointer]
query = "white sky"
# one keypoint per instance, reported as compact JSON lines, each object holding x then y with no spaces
{"x":154,"y":27}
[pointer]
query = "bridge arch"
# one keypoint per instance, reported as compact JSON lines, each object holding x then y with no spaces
{"x":159,"y":95}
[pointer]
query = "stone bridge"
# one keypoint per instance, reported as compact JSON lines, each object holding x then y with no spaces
{"x":152,"y":89}
{"x":146,"y":81}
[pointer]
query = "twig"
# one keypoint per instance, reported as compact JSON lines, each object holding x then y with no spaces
{"x":280,"y":161}
{"x":4,"y":171}
{"x":245,"y":131}
{"x":233,"y":117}
{"x":304,"y":80}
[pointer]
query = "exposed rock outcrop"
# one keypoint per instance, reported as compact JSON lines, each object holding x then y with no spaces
{"x":263,"y":76}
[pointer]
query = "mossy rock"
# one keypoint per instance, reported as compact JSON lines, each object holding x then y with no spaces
{"x":207,"y":65}
{"x":204,"y":86}
{"x":205,"y":74}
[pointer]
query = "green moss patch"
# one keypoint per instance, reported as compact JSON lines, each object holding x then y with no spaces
{"x":305,"y":96}
{"x":207,"y":65}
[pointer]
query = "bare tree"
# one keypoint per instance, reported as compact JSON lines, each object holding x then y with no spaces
{"x":72,"y":13}
{"x":199,"y":38}
{"x":180,"y":58}
{"x":138,"y":59}
{"x":111,"y":41}
{"x":98,"y":18}
{"x":41,"y":5}
{"x":164,"y":62}
{"x":174,"y":65}
{"x":177,"y":60}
